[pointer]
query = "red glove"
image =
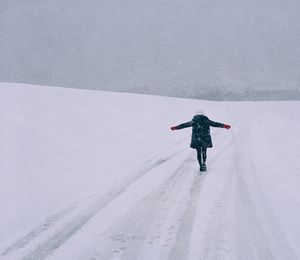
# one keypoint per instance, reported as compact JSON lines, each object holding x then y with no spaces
{"x":173,"y":128}
{"x":227,"y":126}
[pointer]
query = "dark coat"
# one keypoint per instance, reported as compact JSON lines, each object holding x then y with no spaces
{"x":201,"y":131}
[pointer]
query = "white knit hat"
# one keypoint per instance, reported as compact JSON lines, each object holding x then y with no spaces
{"x":200,"y":112}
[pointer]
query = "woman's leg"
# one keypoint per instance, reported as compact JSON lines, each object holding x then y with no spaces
{"x":203,"y":150}
{"x":199,"y":153}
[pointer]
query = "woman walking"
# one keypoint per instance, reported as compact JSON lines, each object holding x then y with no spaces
{"x":201,"y":138}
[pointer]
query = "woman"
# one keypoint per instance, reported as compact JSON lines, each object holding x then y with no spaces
{"x":201,"y":138}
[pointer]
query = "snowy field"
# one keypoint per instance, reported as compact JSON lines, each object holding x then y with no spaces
{"x":99,"y":175}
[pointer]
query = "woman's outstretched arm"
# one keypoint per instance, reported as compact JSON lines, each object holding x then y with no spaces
{"x":217,"y":124}
{"x":181,"y":126}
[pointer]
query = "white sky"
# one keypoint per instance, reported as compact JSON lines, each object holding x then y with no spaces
{"x":159,"y":46}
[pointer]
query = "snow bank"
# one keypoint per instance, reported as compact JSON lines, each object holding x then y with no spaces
{"x":63,"y":150}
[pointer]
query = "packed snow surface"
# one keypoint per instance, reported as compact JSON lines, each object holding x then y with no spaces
{"x":99,"y":175}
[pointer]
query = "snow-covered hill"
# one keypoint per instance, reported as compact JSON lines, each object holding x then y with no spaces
{"x":99,"y":175}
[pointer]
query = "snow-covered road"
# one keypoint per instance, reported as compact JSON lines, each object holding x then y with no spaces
{"x":144,"y":197}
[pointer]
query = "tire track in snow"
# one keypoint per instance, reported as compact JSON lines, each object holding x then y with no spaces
{"x":251,"y":236}
{"x":152,"y":226}
{"x":213,"y":244}
{"x":161,"y":225}
{"x":218,"y":231}
{"x":180,"y":249}
{"x":38,"y":231}
{"x":55,"y":241}
{"x":181,"y":245}
{"x":280,"y":246}
{"x":252,"y":242}
{"x":270,"y":241}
